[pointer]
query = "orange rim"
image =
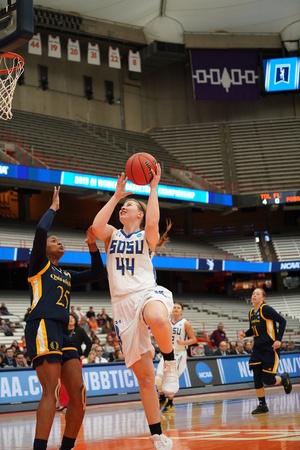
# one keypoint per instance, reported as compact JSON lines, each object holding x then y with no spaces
{"x":11,"y":55}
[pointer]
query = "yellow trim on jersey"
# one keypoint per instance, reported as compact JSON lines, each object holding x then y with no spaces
{"x":46,"y":354}
{"x":254,"y":363}
{"x":69,"y":348}
{"x":42,"y":339}
{"x":36,"y":285}
{"x":269,"y":325}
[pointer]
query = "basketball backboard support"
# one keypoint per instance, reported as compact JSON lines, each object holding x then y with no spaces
{"x":16,"y":23}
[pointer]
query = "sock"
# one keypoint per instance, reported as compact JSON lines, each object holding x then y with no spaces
{"x":168,"y":356}
{"x":155,"y":428}
{"x":262,"y":401}
{"x":162,"y":397}
{"x":67,"y":443}
{"x":40,"y":444}
{"x":170,"y":402}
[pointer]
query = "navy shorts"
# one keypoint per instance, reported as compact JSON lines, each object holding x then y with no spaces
{"x":266,"y":357}
{"x":49,"y":339}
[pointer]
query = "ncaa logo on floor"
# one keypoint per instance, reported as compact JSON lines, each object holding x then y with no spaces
{"x":203,"y":372}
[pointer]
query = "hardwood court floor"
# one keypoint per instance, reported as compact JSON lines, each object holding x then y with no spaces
{"x":208,"y":421}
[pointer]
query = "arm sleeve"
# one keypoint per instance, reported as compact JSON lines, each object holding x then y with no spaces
{"x":95,"y":273}
{"x":38,"y":252}
{"x":270,"y":313}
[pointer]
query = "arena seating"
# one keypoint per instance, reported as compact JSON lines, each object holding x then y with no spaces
{"x":287,"y":246}
{"x":76,"y":146}
{"x":250,"y":154}
{"x":204,"y":311}
{"x":243,"y":247}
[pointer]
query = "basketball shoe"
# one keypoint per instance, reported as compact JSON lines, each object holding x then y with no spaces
{"x":261,"y":409}
{"x":169,"y":407}
{"x":162,"y":442}
{"x":285,"y":381}
{"x":162,"y":401}
{"x":170,"y":384}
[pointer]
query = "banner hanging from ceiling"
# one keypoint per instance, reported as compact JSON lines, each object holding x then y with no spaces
{"x":225,"y":74}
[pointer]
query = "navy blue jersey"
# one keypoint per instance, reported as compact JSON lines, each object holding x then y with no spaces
{"x":263,"y":325}
{"x":49,"y":285}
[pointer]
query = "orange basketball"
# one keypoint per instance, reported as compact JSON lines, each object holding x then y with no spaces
{"x":138,"y":168}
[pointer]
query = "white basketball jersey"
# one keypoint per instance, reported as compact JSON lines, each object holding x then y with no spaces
{"x":129,"y":264}
{"x":178,"y":332}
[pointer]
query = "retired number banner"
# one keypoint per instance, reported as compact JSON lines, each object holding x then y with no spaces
{"x":225,"y":74}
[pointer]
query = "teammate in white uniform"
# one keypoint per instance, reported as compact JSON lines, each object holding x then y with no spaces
{"x":182,"y":336}
{"x":137,"y":302}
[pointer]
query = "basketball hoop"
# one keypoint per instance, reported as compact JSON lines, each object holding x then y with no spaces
{"x":11,"y":68}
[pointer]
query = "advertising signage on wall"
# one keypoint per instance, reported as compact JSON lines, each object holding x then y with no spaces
{"x":114,"y":379}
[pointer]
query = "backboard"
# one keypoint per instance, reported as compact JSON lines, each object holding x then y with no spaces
{"x":16,"y":23}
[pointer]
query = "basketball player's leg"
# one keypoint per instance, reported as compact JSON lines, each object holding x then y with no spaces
{"x":145,"y":373}
{"x":71,"y":377}
{"x":49,"y":377}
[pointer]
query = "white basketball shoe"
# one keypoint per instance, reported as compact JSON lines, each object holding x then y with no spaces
{"x":162,"y":442}
{"x":170,"y":384}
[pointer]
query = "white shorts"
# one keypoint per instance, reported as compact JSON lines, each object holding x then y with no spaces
{"x":180,"y":357}
{"x":131,"y":329}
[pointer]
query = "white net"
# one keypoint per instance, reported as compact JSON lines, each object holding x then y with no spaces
{"x":11,"y":68}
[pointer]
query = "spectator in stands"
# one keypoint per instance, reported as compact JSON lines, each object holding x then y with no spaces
{"x":291,"y":346}
{"x":93,"y":324}
{"x":99,"y":354}
{"x":109,"y":348}
{"x":107,"y":327}
{"x":20,"y":360}
{"x":265,"y":358}
{"x":119,"y":355}
{"x":222,"y":349}
{"x":91,"y":359}
{"x":79,"y":313}
{"x":85,"y":325}
{"x":248,"y":347}
{"x":52,"y":351}
{"x":72,"y":310}
{"x":12,"y":328}
{"x":105,"y":316}
{"x":218,"y":336}
{"x":16,"y":345}
{"x":138,"y":302}
{"x":22,"y":344}
{"x":79,"y":337}
{"x":26,"y":314}
{"x":232,"y":347}
{"x":90,"y":313}
{"x":9,"y":359}
{"x":2,"y":363}
{"x":3,"y":350}
{"x":239,"y":349}
{"x":6,"y":328}
{"x":284,"y":346}
{"x":3,"y":309}
{"x":199,"y":350}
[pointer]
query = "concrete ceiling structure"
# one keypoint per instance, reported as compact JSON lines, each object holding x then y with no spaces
{"x":180,"y":18}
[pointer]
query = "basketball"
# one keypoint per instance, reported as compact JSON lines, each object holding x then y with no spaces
{"x":138,"y":168}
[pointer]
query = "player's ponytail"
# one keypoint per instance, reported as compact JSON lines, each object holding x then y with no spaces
{"x":165,"y":238}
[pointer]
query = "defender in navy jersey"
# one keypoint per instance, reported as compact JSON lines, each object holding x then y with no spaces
{"x":138,"y":302}
{"x":265,"y":356}
{"x":50,"y":348}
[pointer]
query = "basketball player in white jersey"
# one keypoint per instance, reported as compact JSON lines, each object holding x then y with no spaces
{"x":182,"y":336}
{"x":137,"y":302}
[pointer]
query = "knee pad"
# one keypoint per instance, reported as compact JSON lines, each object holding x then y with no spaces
{"x":269,"y":379}
{"x":258,"y":377}
{"x":83,"y":396}
{"x":57,"y":392}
